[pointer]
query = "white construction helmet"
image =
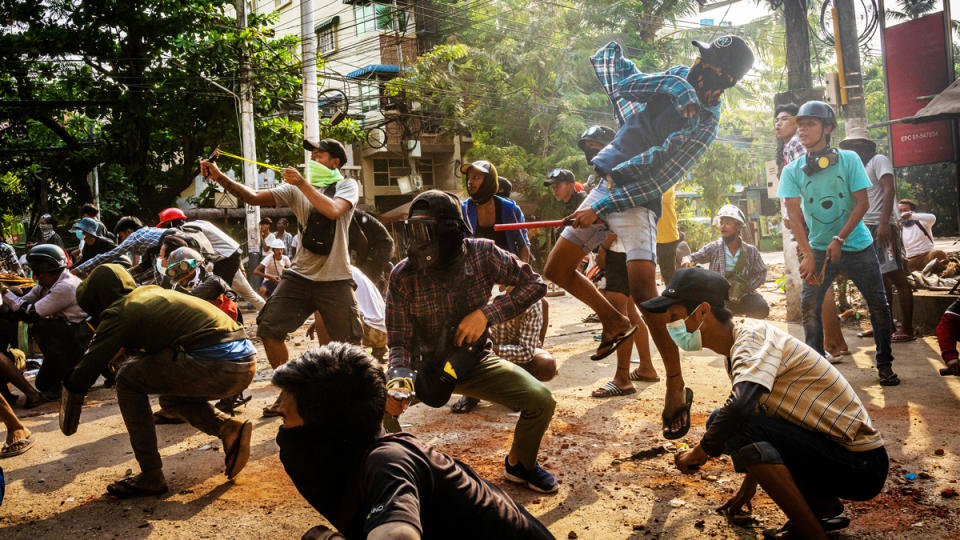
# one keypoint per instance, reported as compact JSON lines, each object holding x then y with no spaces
{"x":730,"y":211}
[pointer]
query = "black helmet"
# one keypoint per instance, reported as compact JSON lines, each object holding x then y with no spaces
{"x":47,"y":258}
{"x":599,"y":134}
{"x":729,"y":53}
{"x":818,"y":109}
{"x":440,"y":205}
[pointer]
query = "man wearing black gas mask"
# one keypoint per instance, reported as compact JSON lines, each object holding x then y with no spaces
{"x":830,"y":187}
{"x":437,"y":318}
{"x":666,"y":122}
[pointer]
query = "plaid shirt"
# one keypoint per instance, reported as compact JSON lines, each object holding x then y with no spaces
{"x":9,"y":264}
{"x":792,"y":150}
{"x":519,"y":338}
{"x":754,"y":270}
{"x":644,"y":177}
{"x":137,"y":243}
{"x":420,"y":306}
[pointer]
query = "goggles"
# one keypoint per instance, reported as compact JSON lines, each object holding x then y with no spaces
{"x":420,"y":231}
{"x":181,"y":268}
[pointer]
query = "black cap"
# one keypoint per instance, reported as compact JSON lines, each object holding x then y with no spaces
{"x":729,"y":53}
{"x":505,"y":189}
{"x":690,"y":286}
{"x":559,"y":175}
{"x":330,"y":146}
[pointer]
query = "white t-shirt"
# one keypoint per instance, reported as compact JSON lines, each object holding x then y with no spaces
{"x":336,"y":265}
{"x":878,"y":167}
{"x":915,"y":241}
{"x":274,"y":267}
{"x":369,"y":300}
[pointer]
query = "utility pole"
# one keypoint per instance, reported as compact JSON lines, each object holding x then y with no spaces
{"x":308,"y":43}
{"x":856,"y":106}
{"x":248,"y":144}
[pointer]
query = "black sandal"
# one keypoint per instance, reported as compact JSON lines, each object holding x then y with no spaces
{"x":682,"y":412}
{"x":126,"y":489}
{"x":607,"y":347}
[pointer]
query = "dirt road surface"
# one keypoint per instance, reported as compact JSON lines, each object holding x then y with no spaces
{"x":57,"y":489}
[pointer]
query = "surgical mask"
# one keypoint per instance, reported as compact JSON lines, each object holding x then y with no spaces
{"x":159,"y":264}
{"x":79,"y":235}
{"x":688,"y":341}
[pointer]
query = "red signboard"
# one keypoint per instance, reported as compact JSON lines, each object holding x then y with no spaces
{"x":916,"y":57}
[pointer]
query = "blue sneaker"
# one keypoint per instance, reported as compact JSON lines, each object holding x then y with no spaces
{"x":537,"y":479}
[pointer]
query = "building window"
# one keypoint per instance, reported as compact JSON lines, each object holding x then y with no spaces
{"x":426,"y":170}
{"x":369,"y":96}
{"x":327,"y":39}
{"x":277,"y":4}
{"x":381,"y":17}
{"x":387,"y":170}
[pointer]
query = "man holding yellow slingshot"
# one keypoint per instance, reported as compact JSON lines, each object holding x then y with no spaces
{"x":320,"y":278}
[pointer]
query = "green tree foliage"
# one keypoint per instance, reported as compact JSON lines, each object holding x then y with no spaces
{"x":126,"y":85}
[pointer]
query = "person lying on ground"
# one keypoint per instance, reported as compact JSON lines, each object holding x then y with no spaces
{"x":58,"y":325}
{"x":170,"y":344}
{"x":371,"y":484}
{"x":737,"y":261}
{"x":792,"y":423}
{"x":666,"y":122}
{"x":519,"y":341}
{"x":438,"y":310}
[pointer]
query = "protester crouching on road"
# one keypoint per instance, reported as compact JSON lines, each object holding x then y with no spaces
{"x":667,"y":121}
{"x":320,"y":278}
{"x":829,"y":187}
{"x":882,"y":220}
{"x":192,"y":353}
{"x":438,"y":311}
{"x":58,"y":324}
{"x":371,"y":484}
{"x":917,"y":228}
{"x":805,"y":462}
{"x":738,"y":262}
{"x":91,"y":243}
{"x":484,"y":209}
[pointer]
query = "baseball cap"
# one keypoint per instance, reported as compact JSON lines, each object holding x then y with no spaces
{"x":482,"y":165}
{"x":729,"y":53}
{"x":689,"y":286}
{"x":557,"y":176}
{"x":331,"y":146}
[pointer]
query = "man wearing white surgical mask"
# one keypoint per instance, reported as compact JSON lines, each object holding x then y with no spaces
{"x":806,"y":462}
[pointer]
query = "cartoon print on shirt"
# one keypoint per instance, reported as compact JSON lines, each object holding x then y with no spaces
{"x":829,"y":208}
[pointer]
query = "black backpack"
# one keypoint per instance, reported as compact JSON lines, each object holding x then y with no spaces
{"x":319,"y":233}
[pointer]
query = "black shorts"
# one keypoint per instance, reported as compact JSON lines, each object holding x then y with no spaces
{"x":615,"y":273}
{"x":297,"y":297}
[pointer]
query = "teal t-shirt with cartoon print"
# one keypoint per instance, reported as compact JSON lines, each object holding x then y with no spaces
{"x":827,"y":199}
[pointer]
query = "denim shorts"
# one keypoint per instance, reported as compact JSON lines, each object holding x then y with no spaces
{"x":636,"y":228}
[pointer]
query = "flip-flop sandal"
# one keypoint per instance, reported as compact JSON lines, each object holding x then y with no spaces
{"x":126,"y":489}
{"x":610,"y":389}
{"x":828,"y":524}
{"x":464,"y":405}
{"x":16,"y":448}
{"x":238,"y":454}
{"x":891,"y":379}
{"x":900,"y":337}
{"x":681,"y":412}
{"x":607,"y":348}
{"x":865,"y":333}
{"x":161,"y":419}
{"x":636,"y":376}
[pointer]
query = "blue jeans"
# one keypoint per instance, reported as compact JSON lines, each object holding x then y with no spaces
{"x":864,"y":270}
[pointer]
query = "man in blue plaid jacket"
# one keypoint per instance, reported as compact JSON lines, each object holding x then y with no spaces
{"x":666,"y":121}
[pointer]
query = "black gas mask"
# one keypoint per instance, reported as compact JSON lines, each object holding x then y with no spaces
{"x":818,"y":161}
{"x":435,"y":232}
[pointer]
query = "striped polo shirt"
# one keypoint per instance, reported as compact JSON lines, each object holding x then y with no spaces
{"x":803,"y":388}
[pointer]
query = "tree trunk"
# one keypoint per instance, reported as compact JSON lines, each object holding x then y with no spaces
{"x":798,"y":44}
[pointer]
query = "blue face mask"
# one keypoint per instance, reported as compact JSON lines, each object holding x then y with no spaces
{"x":79,"y":235}
{"x":687,"y":341}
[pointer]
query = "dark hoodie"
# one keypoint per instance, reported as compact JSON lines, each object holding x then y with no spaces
{"x":144,"y":319}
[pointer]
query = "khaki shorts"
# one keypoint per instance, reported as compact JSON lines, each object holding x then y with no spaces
{"x":296,"y":298}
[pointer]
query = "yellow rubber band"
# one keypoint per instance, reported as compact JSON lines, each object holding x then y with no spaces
{"x":234,"y":156}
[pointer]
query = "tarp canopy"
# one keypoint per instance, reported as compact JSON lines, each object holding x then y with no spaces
{"x":944,"y":106}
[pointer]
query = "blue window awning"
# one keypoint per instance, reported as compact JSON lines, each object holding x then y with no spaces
{"x":374,"y":69}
